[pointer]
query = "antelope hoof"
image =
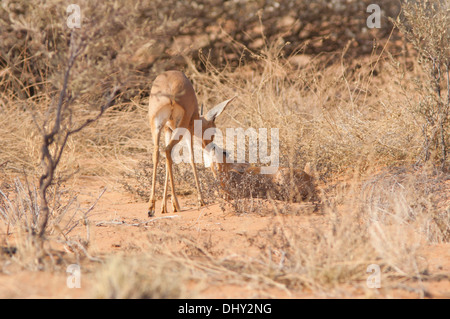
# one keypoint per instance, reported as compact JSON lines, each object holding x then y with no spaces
{"x":151,"y":209}
{"x":201,"y":203}
{"x":163,"y":209}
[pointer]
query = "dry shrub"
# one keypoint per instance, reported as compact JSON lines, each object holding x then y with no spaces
{"x":245,"y":192}
{"x":320,"y":257}
{"x":405,"y":211}
{"x":252,"y":191}
{"x":384,"y":221}
{"x":130,"y":44}
{"x":19,"y":215}
{"x":130,"y":277}
{"x":20,"y":140}
{"x":333,"y":117}
{"x":292,"y":256}
{"x":388,"y":228}
{"x":340,"y":115}
{"x":413,"y":199}
{"x":134,"y":41}
{"x":338,"y":118}
{"x":19,"y":212}
{"x":426,"y":25}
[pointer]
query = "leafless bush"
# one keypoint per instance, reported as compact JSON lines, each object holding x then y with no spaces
{"x":55,"y":127}
{"x":426,"y":25}
{"x":245,"y":193}
{"x":252,"y":191}
{"x":20,"y":213}
{"x":54,"y":139}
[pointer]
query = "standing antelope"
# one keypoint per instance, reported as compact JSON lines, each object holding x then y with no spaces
{"x":173,"y":104}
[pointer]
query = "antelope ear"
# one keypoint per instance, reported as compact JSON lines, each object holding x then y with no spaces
{"x":217,"y":110}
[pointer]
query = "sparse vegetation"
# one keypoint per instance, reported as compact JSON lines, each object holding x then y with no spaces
{"x":368,"y":109}
{"x":426,"y":25}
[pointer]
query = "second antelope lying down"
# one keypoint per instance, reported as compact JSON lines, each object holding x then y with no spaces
{"x":242,"y":180}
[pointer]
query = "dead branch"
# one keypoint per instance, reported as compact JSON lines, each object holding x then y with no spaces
{"x":115,"y":222}
{"x":50,"y":161}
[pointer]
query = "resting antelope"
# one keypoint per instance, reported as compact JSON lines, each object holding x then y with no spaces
{"x":245,"y":180}
{"x":173,"y":104}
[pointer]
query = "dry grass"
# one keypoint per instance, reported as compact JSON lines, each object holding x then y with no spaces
{"x":124,"y":277}
{"x":373,"y":225}
{"x":19,"y":214}
{"x":354,"y":118}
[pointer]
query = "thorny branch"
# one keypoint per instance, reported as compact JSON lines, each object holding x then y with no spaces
{"x":50,"y":161}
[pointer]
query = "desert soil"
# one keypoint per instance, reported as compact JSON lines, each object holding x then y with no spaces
{"x":119,"y":224}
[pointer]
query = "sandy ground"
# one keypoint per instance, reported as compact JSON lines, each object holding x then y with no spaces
{"x":119,"y":224}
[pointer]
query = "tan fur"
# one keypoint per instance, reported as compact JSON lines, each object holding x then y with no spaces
{"x":244,"y":180}
{"x":173,"y":104}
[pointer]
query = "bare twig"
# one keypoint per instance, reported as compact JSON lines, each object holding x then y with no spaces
{"x":114,"y":222}
{"x":50,"y":161}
